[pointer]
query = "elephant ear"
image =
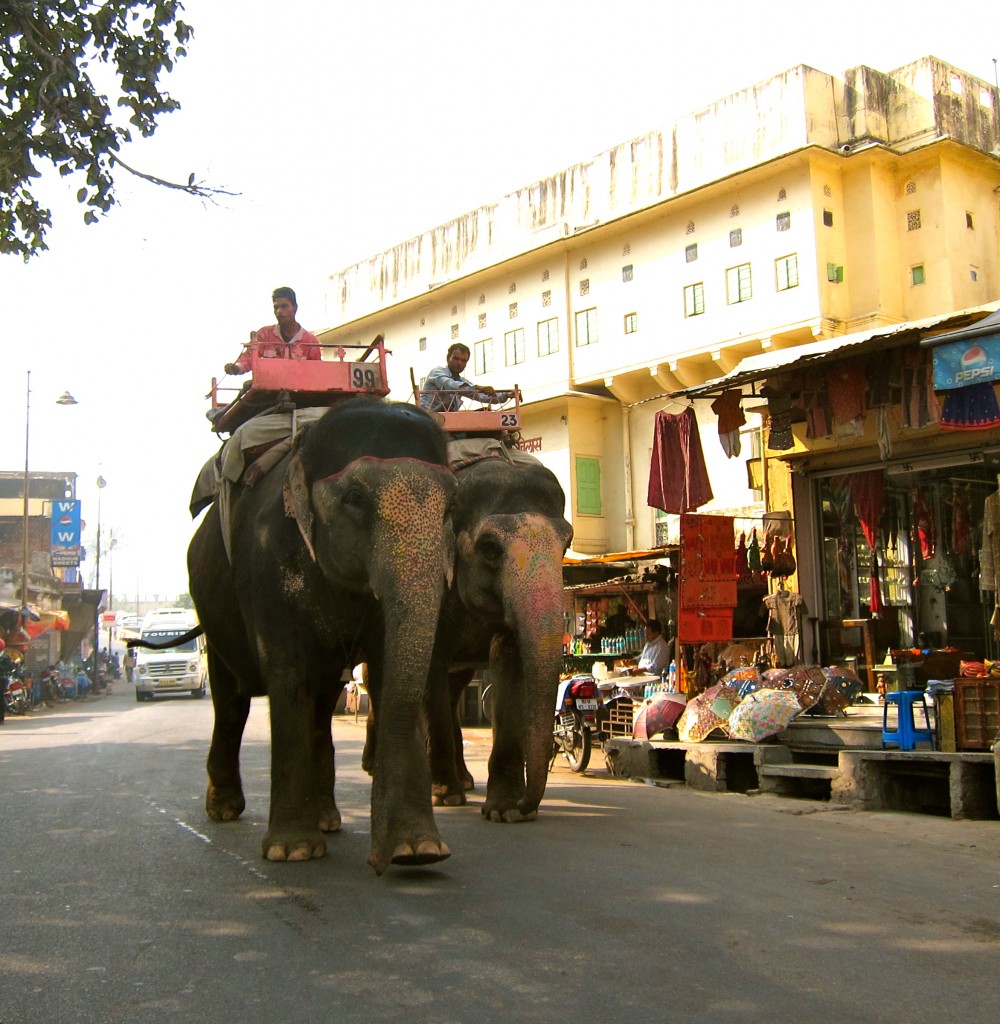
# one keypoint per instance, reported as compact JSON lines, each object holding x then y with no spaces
{"x":297,"y":503}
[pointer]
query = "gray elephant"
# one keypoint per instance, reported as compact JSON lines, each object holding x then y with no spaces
{"x":505,"y":606}
{"x":339,"y":553}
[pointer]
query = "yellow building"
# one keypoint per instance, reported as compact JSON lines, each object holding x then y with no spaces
{"x":808,"y":210}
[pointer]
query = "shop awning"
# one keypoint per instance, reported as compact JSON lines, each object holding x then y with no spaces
{"x":650,"y":554}
{"x":767,"y":364}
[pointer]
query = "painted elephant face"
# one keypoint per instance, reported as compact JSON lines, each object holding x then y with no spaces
{"x":377,"y":523}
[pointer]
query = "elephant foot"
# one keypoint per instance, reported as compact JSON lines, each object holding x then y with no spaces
{"x":411,"y":853}
{"x":443,"y":795}
{"x":224,"y":803}
{"x":449,"y":800}
{"x":468,"y":782}
{"x":508,"y":811}
{"x":292,"y":848}
{"x":330,"y":820}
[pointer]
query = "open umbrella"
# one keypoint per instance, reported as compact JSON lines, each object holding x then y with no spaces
{"x":657,"y":714}
{"x":807,"y":682}
{"x":745,"y":679}
{"x":706,"y":713}
{"x":842,"y":686}
{"x":762,"y":714}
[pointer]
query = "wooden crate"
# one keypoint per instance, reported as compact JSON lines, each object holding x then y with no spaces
{"x":977,"y":713}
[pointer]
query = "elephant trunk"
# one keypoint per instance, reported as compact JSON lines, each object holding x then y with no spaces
{"x":533,"y":614}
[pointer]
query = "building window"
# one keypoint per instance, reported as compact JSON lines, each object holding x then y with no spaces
{"x":734,"y":210}
{"x":586,"y":327}
{"x":454,"y":310}
{"x":631,"y":323}
{"x":546,"y":298}
{"x":782,"y":195}
{"x":911,"y":188}
{"x":956,"y":85}
{"x":422,"y":344}
{"x":513,"y":343}
{"x":834,"y":273}
{"x":783,"y":221}
{"x":913,"y":220}
{"x":690,"y":228}
{"x":482,"y":298}
{"x":786,"y":271}
{"x":583,"y":264}
{"x":694,"y":299}
{"x":627,"y":249}
{"x":548,"y":337}
{"x":917,"y":274}
{"x":985,"y":98}
{"x":454,"y":331}
{"x":588,"y":486}
{"x":974,"y":273}
{"x":512,"y":311}
{"x":827,"y":191}
{"x":627,"y":273}
{"x":482,"y":356}
{"x":735,"y":238}
{"x":738,"y":284}
{"x":513,"y":288}
{"x":585,"y":286}
{"x":690,"y":253}
{"x":970,"y":222}
{"x":545,"y":275}
{"x":828,"y":218}
{"x":422,"y":322}
{"x":482,"y":321}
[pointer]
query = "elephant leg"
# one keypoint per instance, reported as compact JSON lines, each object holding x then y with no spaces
{"x":506,"y":788}
{"x":293,"y":831}
{"x":450,"y":778}
{"x":224,"y":800}
{"x":326,"y":771}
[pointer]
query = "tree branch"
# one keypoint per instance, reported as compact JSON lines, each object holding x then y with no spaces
{"x":192,"y":188}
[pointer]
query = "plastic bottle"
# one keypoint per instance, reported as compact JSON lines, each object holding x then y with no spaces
{"x":672,"y":678}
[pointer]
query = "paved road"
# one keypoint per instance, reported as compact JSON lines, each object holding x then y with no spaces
{"x":121,"y":902}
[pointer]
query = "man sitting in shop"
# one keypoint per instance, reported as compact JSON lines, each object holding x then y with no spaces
{"x":656,"y":655}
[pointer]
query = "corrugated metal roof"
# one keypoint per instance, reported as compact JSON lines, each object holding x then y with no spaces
{"x":758,"y":367}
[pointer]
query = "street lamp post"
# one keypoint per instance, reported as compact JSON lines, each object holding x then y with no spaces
{"x":101,"y":484}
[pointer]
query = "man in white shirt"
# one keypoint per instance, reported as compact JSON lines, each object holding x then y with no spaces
{"x":655,"y":657}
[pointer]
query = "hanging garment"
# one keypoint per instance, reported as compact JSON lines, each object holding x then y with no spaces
{"x":784,"y":626}
{"x":678,"y":478}
{"x":753,"y":552}
{"x":779,"y":415}
{"x":875,"y":605}
{"x":867,"y":493}
{"x":988,"y":562}
{"x":920,"y":404}
{"x":882,"y":434}
{"x":973,"y":407}
{"x":923,"y":516}
{"x":816,"y":402}
{"x":846,"y":381}
{"x":961,"y":528}
{"x":727,"y":407}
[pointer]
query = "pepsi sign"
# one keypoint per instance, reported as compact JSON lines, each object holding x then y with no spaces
{"x":960,"y":363}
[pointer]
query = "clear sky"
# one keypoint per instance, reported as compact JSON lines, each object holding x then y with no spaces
{"x":346,"y":128}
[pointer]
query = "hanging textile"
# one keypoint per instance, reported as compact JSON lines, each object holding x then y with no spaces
{"x":678,"y":478}
{"x":742,"y":560}
{"x":991,"y":543}
{"x":920,"y":404}
{"x":923,"y":516}
{"x":973,"y":407}
{"x":784,"y":625}
{"x":727,"y":407}
{"x":867,"y":494}
{"x":753,"y":552}
{"x":779,"y":415}
{"x":846,"y":382}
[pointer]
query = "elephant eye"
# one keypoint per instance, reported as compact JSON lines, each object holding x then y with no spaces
{"x":354,"y":499}
{"x":490,"y":549}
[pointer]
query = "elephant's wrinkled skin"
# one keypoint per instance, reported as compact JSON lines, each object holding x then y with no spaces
{"x":505,"y":605}
{"x":339,"y":552}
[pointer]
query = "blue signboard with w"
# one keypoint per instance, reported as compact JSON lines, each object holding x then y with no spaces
{"x":65,"y":533}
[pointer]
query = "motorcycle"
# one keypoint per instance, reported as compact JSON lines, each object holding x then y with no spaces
{"x":575,"y":725}
{"x":16,"y":699}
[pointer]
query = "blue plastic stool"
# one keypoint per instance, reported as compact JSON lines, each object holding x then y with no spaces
{"x":906,"y":735}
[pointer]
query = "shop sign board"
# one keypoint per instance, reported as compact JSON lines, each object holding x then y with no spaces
{"x":65,"y":536}
{"x":960,"y":363}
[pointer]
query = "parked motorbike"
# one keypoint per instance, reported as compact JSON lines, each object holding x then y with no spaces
{"x":575,"y":727}
{"x":17,"y":700}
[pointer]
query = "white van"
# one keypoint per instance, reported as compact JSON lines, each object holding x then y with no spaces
{"x":182,"y":668}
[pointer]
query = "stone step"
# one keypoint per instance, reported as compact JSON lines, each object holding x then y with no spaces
{"x":800,"y":771}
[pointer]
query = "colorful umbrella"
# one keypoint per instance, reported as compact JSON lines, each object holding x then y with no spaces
{"x":807,"y":682}
{"x":762,"y":714}
{"x":657,"y":714}
{"x":706,"y":713}
{"x":745,"y":679}
{"x":842,"y":686}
